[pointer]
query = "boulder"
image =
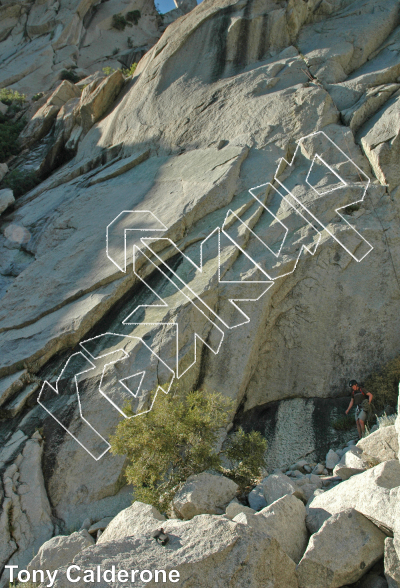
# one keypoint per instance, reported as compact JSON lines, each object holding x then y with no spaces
{"x":94,"y":104}
{"x":278,"y":485}
{"x":60,"y":550}
{"x":372,"y":581}
{"x":350,"y":464}
{"x":235,"y":508}
{"x":100,"y":525}
{"x":380,"y":446}
{"x":341,"y":552}
{"x":332,"y":459}
{"x":285,"y":520}
{"x":6,"y":199}
{"x":206,"y":551}
{"x":256,"y":498}
{"x":204,"y":494}
{"x":138,"y":519}
{"x":392,"y":562}
{"x":42,"y":121}
{"x":373,"y":493}
{"x":319,"y":469}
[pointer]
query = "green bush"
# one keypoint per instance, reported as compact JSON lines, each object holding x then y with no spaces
{"x":344,"y":423}
{"x":384,"y":385}
{"x":133,"y":16}
{"x":107,"y":70}
{"x":11,"y":97}
{"x":37,"y":97}
{"x":245,"y":453}
{"x":20,"y":182}
{"x":129,"y":71}
{"x":178,"y":438}
{"x":119,"y":22}
{"x":9,"y":132}
{"x":71,"y":76}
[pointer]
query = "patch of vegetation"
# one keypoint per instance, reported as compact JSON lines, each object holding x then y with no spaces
{"x":344,"y":423}
{"x":384,"y":385}
{"x":108,"y":70}
{"x":119,"y":22}
{"x":116,"y":50}
{"x":37,"y":97}
{"x":133,"y":16}
{"x":11,"y":97}
{"x":9,"y":132}
{"x":20,"y":182}
{"x":129,"y":71}
{"x":178,"y":438}
{"x":71,"y":76}
{"x":129,"y":42}
{"x":245,"y":453}
{"x":386,"y":420}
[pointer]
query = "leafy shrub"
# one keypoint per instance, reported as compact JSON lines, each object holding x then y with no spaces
{"x":344,"y":423}
{"x":129,"y":71}
{"x":245,"y":454}
{"x":10,"y":97}
{"x":69,"y":75}
{"x":176,"y":439}
{"x":129,"y":42}
{"x":37,"y":97}
{"x":119,"y":22}
{"x":107,"y":70}
{"x":384,"y":385}
{"x":20,"y":182}
{"x":133,"y":16}
{"x":9,"y":131}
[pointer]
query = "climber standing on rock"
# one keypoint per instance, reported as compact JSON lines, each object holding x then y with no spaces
{"x":362,"y":400}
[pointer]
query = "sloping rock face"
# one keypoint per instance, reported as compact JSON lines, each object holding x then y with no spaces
{"x":40,"y":41}
{"x":213,"y":107}
{"x":196,"y":549}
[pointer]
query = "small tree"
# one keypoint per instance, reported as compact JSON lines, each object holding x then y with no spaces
{"x":178,"y":438}
{"x":245,"y":454}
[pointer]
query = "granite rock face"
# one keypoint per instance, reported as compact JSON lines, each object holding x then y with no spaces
{"x":196,"y":549}
{"x":214,"y":105}
{"x":373,"y":493}
{"x":341,"y":552}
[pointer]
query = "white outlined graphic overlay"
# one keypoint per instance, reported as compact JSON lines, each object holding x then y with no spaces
{"x":198,"y":303}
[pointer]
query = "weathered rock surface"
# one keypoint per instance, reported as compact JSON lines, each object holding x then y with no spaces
{"x":332,"y":459}
{"x":138,"y":519}
{"x":6,"y":199}
{"x":60,"y":550}
{"x":284,"y":519}
{"x":26,"y":508}
{"x":350,"y":464}
{"x":204,"y":494}
{"x":278,"y":485}
{"x":256,"y":498}
{"x":382,"y":445}
{"x":235,"y":508}
{"x":186,"y":139}
{"x":392,"y":562}
{"x":197,"y":549}
{"x":341,"y":552}
{"x":373,"y":493}
{"x":74,"y":36}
